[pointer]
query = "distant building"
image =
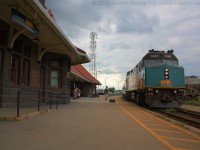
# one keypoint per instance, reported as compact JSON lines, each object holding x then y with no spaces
{"x":192,"y":84}
{"x":82,"y":79}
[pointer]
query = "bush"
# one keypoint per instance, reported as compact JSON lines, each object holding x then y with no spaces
{"x":195,"y":101}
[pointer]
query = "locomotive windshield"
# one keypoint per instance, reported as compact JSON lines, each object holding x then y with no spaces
{"x":159,"y":58}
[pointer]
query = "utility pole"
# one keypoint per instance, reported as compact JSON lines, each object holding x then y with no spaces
{"x":92,"y":67}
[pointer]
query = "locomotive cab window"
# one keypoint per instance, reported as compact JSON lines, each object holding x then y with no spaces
{"x":170,"y":62}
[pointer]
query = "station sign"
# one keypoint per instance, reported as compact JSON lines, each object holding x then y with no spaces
{"x":22,"y":20}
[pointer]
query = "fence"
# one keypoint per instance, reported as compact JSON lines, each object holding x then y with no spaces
{"x":25,"y":99}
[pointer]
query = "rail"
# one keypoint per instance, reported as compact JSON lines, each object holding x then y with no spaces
{"x":184,"y":116}
{"x":51,"y":97}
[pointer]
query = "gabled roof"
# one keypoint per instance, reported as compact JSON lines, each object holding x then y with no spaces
{"x":80,"y":71}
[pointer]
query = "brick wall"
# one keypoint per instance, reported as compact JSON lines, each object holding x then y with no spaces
{"x":8,"y":91}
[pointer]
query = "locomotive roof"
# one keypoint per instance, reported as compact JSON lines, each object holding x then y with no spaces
{"x":155,"y":55}
{"x":152,"y":54}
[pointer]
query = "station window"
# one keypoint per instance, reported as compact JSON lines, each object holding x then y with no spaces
{"x":14,"y":69}
{"x":55,"y":78}
{"x":17,"y":47}
{"x":55,"y":64}
{"x":27,"y":51}
{"x":20,"y":62}
{"x":25,"y":71}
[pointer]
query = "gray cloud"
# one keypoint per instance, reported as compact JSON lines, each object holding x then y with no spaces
{"x":126,"y":33}
{"x":137,"y":22}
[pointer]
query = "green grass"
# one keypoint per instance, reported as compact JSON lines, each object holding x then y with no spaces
{"x":195,"y":102}
{"x":169,"y":110}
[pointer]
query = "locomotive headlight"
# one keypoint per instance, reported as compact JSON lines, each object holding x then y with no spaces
{"x":166,"y":73}
{"x":157,"y":91}
{"x":175,"y":91}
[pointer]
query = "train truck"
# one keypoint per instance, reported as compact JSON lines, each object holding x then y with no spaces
{"x":156,"y":81}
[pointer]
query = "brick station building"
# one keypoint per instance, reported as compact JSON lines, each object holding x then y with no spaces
{"x":82,"y":79}
{"x":34,"y":52}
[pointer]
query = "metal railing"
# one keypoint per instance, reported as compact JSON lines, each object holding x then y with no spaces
{"x":50,"y":96}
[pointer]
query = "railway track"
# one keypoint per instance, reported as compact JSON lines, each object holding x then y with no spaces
{"x":188,"y":117}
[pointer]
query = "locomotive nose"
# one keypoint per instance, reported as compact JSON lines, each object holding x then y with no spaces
{"x":165,"y":98}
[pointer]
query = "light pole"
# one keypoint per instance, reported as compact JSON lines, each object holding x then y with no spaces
{"x":105,"y":81}
{"x":118,"y":84}
{"x":96,"y":77}
{"x":97,"y":73}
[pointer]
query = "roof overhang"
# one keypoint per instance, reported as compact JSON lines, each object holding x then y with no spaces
{"x":51,"y":37}
{"x":78,"y":73}
{"x":77,"y":77}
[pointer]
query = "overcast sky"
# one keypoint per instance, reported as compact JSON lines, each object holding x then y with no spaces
{"x":127,"y":29}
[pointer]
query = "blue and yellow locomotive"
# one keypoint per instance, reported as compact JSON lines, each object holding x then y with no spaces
{"x":157,"y":81}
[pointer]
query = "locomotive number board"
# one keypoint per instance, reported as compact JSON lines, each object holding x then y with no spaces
{"x":165,"y":82}
{"x":154,"y":56}
{"x":168,"y":56}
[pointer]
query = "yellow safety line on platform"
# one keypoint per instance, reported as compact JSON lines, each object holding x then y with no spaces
{"x":149,"y":120}
{"x":159,"y":125}
{"x":143,"y":117}
{"x":168,"y":131}
{"x":170,"y":124}
{"x":180,"y":139}
{"x":164,"y":121}
{"x":148,"y":129}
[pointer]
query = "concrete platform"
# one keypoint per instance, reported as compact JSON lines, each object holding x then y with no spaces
{"x":190,"y":107}
{"x":93,"y":123}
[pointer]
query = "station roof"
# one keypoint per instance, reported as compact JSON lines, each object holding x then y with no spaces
{"x":51,"y":37}
{"x":82,"y":73}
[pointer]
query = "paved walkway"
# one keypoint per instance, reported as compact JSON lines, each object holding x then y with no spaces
{"x":87,"y":124}
{"x":11,"y":113}
{"x":96,"y":124}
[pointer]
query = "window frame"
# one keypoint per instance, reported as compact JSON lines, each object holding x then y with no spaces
{"x":20,"y":75}
{"x":56,"y":65}
{"x":59,"y":78}
{"x":15,"y":69}
{"x":25,"y":72}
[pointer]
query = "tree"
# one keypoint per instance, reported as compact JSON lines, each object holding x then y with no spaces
{"x":111,"y":89}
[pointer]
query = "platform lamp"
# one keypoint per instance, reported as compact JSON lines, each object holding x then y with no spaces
{"x":118,"y":84}
{"x":105,"y":81}
{"x":97,"y":75}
